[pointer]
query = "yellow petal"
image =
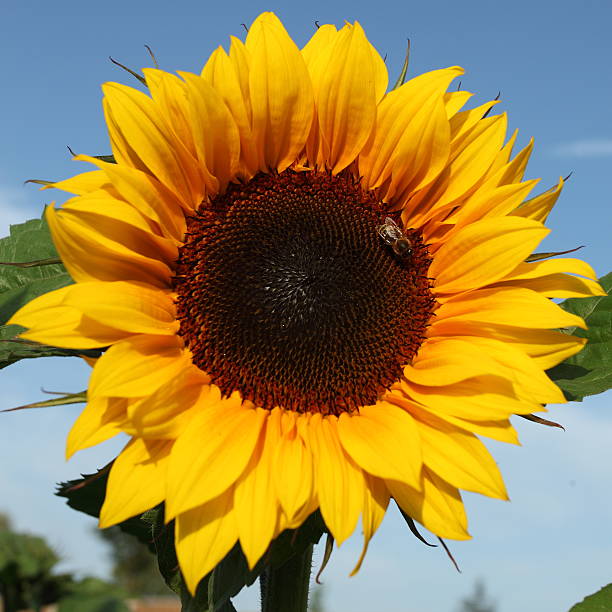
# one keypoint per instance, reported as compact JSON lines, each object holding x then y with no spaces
{"x":505,"y":306}
{"x":147,"y":195}
{"x":203,"y":536}
{"x":215,"y":133}
{"x":100,"y":420}
{"x":484,"y":252}
{"x":212,"y":453}
{"x":138,"y":366}
{"x":280,"y":91}
{"x":137,"y":480}
{"x":221,"y":73}
{"x":447,"y":361}
{"x":461,"y":458}
{"x":81,"y":183}
{"x":255,"y":503}
{"x":343,"y":76}
{"x":340,"y":489}
{"x":539,"y":208}
{"x":166,"y":412}
{"x":383,"y":440}
{"x":108,"y":245}
{"x":146,"y":144}
{"x":375,"y":505}
{"x":438,"y":506}
{"x":455,"y":101}
{"x":293,"y":473}
{"x":412,"y":136}
{"x":546,"y":347}
{"x":52,"y":320}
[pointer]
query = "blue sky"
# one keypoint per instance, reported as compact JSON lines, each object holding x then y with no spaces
{"x":548,"y":547}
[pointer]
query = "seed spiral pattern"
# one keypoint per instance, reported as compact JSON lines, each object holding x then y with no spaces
{"x":287,"y":294}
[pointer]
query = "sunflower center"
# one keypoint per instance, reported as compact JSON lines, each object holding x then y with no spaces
{"x":288,"y":294}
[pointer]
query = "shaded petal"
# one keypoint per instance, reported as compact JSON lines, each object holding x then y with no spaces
{"x":137,"y":480}
{"x":142,"y":140}
{"x":203,"y":536}
{"x":51,"y":319}
{"x":99,"y":239}
{"x":220,"y":71}
{"x":214,"y":131}
{"x":344,"y":76}
{"x":412,"y":135}
{"x":147,"y":195}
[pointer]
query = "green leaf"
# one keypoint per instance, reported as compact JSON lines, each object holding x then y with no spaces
{"x":598,"y":602}
{"x":590,"y":371}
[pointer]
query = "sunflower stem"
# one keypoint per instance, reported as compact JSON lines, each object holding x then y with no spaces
{"x":286,"y":587}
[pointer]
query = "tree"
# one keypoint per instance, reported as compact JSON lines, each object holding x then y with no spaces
{"x":478,"y":600}
{"x":134,"y":567}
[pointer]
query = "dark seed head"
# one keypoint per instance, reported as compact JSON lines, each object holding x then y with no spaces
{"x":287,"y":294}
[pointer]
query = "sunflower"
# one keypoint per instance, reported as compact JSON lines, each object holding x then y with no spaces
{"x":313,"y":294}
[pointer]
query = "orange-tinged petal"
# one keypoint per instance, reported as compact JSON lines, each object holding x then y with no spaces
{"x":146,"y":143}
{"x":437,"y":506}
{"x":343,"y":75}
{"x":98,"y":241}
{"x":384,"y":441}
{"x":137,"y":480}
{"x":212,"y":453}
{"x":255,"y":504}
{"x":340,"y":490}
{"x":147,"y":195}
{"x":215,"y":133}
{"x":280,"y":91}
{"x":221,"y":73}
{"x":100,"y":420}
{"x":203,"y":536}
{"x":483,"y":252}
{"x":402,"y":140}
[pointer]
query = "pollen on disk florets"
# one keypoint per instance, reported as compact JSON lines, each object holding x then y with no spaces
{"x":287,"y":294}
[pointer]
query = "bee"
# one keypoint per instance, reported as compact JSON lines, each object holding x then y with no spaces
{"x":391,"y":233}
